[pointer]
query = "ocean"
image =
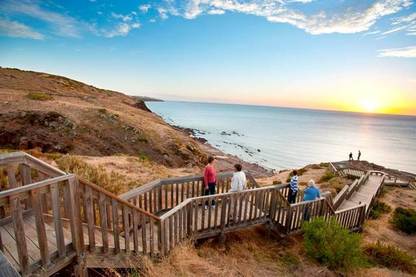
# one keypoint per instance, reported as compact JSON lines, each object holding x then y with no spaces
{"x":281,"y":138}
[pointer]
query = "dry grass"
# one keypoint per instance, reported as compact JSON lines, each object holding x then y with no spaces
{"x":39,"y":96}
{"x":113,"y":182}
{"x":245,"y":253}
{"x":391,"y":257}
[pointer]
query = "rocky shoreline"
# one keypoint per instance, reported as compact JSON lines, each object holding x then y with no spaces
{"x":225,"y":162}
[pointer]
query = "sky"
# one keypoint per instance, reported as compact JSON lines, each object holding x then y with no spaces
{"x":340,"y":55}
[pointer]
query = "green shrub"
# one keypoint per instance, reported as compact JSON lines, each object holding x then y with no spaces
{"x":391,"y":257}
{"x":330,"y":244}
{"x":39,"y":96}
{"x":378,"y":209}
{"x":405,"y":220}
{"x":326,"y":177}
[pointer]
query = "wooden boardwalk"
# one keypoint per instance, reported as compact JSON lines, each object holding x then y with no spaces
{"x":365,"y":193}
{"x":50,"y":219}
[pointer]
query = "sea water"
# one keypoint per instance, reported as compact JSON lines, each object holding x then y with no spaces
{"x":281,"y":138}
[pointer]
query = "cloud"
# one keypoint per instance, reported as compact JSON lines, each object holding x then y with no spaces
{"x":163,"y":13}
{"x":405,"y":23}
{"x":121,"y":30}
{"x":351,"y":19}
{"x":17,"y":29}
{"x":144,"y":8}
{"x":62,"y":25}
{"x":216,"y":11}
{"x":124,"y":18}
{"x":404,"y":52}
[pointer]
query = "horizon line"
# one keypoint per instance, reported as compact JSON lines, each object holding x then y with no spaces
{"x":284,"y":107}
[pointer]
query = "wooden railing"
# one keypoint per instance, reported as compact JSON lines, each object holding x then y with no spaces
{"x":162,"y":195}
{"x":59,"y":219}
{"x":75,"y":219}
{"x":198,"y":218}
{"x":351,"y":218}
{"x":58,"y":192}
{"x":113,"y":225}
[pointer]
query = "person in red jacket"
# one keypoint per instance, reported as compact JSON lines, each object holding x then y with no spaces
{"x":210,"y":179}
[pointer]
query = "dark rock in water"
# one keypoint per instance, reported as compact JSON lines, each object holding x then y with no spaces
{"x":202,"y":140}
{"x":258,"y":150}
{"x":224,"y":133}
{"x":237,"y":134}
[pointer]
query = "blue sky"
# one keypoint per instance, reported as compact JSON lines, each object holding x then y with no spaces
{"x":347,"y":55}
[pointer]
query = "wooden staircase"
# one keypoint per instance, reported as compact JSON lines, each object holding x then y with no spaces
{"x":50,"y":219}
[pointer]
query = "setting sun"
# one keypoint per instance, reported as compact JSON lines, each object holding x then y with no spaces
{"x":369,"y":105}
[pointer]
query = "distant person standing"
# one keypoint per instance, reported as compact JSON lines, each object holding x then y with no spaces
{"x":359,"y":155}
{"x":311,"y":193}
{"x":293,"y":187}
{"x":350,"y":157}
{"x":210,"y":179}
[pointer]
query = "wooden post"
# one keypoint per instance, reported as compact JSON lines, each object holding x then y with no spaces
{"x":18,"y":225}
{"x":25,"y":172}
{"x":57,"y":220}
{"x":116,"y":231}
{"x":75,"y":223}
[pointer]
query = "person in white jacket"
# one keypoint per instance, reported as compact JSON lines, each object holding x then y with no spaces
{"x":239,"y":180}
{"x":238,"y":183}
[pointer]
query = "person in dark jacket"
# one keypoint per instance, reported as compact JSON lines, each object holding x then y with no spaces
{"x":293,"y":187}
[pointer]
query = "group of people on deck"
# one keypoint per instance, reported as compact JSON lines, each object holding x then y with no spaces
{"x":239,"y":183}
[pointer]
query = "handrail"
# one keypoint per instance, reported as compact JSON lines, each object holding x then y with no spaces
{"x":13,"y":191}
{"x":42,"y":166}
{"x":185,"y":202}
{"x":122,"y":201}
{"x":177,"y":180}
{"x":350,"y":208}
{"x":13,"y":157}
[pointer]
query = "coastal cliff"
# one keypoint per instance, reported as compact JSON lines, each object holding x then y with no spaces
{"x":55,"y":114}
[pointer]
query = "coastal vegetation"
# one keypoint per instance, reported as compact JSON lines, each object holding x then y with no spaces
{"x":331,"y":245}
{"x":405,"y":220}
{"x":379,"y":208}
{"x":327,"y":177}
{"x":390,"y":257}
{"x":40,"y":96}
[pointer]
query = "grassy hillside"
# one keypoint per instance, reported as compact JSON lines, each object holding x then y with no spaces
{"x":57,"y":114}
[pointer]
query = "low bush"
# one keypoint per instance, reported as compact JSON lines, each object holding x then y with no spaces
{"x":331,"y":245}
{"x":405,"y":220}
{"x":300,"y":171}
{"x":39,"y":96}
{"x":378,"y":209}
{"x":326,"y":177}
{"x":391,"y":257}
